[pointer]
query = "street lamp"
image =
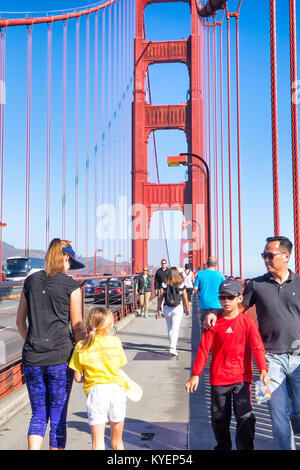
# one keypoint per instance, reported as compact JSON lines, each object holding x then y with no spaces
{"x":115,"y":263}
{"x":181,"y":160}
{"x":128,"y":264}
{"x":95,"y":260}
{"x":1,"y":226}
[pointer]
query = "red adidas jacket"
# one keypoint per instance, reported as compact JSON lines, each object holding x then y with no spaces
{"x":231,"y":342}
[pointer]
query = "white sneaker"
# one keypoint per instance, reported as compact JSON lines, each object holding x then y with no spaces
{"x":173,"y":352}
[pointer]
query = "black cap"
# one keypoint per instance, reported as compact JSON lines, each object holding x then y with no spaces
{"x":231,"y":286}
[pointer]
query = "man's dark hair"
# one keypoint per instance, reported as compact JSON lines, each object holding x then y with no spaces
{"x":187,"y":266}
{"x":163,"y":260}
{"x":285,"y":243}
{"x":211,"y":262}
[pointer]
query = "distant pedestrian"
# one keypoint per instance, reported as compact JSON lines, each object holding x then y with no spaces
{"x":276,"y":296}
{"x":173,"y":293}
{"x":231,"y":342}
{"x":160,"y":277}
{"x":50,"y":301}
{"x":97,"y":361}
{"x":207,"y":282}
{"x":144,"y":289}
{"x":188,"y":280}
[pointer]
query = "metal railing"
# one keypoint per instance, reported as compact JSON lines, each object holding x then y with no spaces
{"x":121,"y":303}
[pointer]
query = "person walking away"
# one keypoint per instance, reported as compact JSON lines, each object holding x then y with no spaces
{"x":276,"y":296}
{"x":96,"y":362}
{"x":143,"y":289}
{"x":50,"y":301}
{"x":188,"y":280}
{"x":231,"y":342}
{"x":207,"y":283}
{"x":160,"y":277}
{"x":173,"y":292}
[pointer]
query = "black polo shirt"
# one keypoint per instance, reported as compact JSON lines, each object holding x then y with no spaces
{"x":278,"y":311}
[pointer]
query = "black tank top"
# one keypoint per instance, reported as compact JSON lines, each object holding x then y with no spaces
{"x":48,"y":340}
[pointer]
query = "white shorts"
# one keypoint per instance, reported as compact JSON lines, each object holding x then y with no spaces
{"x":106,"y":402}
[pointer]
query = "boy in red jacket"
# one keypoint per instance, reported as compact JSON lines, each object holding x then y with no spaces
{"x":231,"y":341}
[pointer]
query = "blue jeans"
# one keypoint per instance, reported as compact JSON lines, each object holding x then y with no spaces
{"x":49,"y":389}
{"x":284,"y":406}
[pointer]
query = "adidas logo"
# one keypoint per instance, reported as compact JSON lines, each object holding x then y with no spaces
{"x":229,"y":330}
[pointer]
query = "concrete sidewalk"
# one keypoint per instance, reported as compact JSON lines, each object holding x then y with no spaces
{"x":166,"y":418}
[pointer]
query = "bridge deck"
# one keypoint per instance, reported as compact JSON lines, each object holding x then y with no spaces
{"x":166,"y":418}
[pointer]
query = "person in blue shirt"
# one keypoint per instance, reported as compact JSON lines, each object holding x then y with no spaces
{"x":207,"y":283}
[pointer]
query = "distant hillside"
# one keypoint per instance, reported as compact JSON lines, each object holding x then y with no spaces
{"x":108,"y":265}
{"x":9,"y":251}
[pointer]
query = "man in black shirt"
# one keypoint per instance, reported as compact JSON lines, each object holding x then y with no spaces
{"x":160,"y":277}
{"x":276,"y":296}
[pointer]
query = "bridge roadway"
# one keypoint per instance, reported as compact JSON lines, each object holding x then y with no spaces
{"x":166,"y":418}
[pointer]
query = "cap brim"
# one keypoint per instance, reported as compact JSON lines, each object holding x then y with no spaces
{"x":74,"y":264}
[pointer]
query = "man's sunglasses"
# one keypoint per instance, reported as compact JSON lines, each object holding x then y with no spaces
{"x":227,"y":297}
{"x":267,"y":254}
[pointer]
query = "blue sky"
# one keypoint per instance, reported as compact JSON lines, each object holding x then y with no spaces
{"x":169,"y":85}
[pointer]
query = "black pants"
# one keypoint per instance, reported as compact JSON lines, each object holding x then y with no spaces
{"x":222,"y":398}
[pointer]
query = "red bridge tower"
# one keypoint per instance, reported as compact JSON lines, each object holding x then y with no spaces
{"x":187,"y":197}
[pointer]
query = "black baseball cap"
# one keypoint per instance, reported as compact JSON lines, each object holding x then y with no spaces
{"x":231,"y":286}
{"x":74,"y":264}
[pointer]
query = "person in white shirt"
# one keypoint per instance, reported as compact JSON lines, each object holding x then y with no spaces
{"x":173,"y":292}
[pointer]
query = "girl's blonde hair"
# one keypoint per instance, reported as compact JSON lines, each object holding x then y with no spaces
{"x":97,"y":321}
{"x":54,"y":260}
{"x":174,"y":278}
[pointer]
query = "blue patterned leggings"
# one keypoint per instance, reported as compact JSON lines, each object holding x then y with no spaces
{"x":49,"y":389}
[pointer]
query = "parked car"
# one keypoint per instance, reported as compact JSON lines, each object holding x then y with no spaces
{"x":89,"y":287}
{"x":129,"y":283}
{"x":114,"y":293}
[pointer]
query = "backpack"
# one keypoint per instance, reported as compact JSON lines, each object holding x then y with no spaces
{"x":172,"y":296}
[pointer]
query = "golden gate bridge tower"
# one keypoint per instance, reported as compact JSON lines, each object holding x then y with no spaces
{"x":188,"y":197}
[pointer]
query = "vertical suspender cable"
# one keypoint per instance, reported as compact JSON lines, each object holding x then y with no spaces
{"x":64,"y":152}
{"x":77,"y":131}
{"x":28,"y":137}
{"x":273,"y":50}
{"x":87,"y":135}
{"x":294,"y":125}
{"x":114,"y":153}
{"x":119,"y":152}
{"x":96,"y":141}
{"x":238,"y":142}
{"x":208,"y":91}
{"x":205,"y":90}
{"x":229,"y":142}
{"x":124,"y":113}
{"x":104,"y":181}
{"x":157,"y":169}
{"x":222,"y":145}
{"x":48,"y":167}
{"x":128,"y":93}
{"x":109,"y":180}
{"x":216,"y":141}
{"x":205,"y":125}
{"x":2,"y":102}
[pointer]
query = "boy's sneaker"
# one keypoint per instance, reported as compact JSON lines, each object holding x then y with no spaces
{"x":145,"y":315}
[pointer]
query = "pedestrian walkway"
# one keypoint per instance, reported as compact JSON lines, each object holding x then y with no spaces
{"x":166,"y":418}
